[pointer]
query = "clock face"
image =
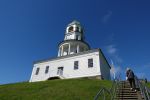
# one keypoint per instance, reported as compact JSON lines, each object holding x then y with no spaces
{"x":71,"y":29}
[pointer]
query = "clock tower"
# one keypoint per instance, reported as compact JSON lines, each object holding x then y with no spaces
{"x":73,"y":41}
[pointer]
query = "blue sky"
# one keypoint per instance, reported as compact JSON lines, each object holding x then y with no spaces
{"x":30,"y":30}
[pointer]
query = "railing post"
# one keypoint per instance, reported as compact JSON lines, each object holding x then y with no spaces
{"x":111,"y":91}
{"x":104,"y":94}
{"x":144,"y":90}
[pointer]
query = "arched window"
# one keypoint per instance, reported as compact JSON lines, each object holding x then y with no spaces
{"x":70,"y":29}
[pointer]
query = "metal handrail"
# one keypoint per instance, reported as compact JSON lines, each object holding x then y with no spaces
{"x":101,"y":92}
{"x":145,"y":91}
{"x":111,"y":91}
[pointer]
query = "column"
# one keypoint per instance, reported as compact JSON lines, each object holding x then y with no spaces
{"x":78,"y":48}
{"x":62,"y":50}
{"x":69,"y":48}
{"x":59,"y":52}
{"x":74,"y":28}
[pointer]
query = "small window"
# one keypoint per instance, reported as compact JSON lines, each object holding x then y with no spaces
{"x":47,"y":69}
{"x":71,"y":29}
{"x":76,"y":65}
{"x":37,"y":71}
{"x":90,"y":62}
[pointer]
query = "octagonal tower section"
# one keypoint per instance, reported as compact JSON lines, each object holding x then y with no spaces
{"x":73,"y":40}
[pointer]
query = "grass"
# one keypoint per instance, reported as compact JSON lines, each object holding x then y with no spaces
{"x":71,"y":89}
{"x":148,"y":84}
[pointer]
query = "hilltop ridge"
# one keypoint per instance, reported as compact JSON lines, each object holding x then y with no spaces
{"x":67,"y":89}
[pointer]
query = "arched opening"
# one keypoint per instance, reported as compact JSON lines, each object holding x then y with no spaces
{"x":70,"y":29}
{"x":53,"y":78}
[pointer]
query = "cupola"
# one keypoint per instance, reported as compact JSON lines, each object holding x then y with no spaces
{"x":73,"y":41}
{"x":74,"y":31}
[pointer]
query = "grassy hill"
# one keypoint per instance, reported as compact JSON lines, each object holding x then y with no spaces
{"x":71,"y":89}
{"x":148,"y":84}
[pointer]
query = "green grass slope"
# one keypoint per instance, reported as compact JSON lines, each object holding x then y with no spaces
{"x":71,"y":89}
{"x":148,"y":84}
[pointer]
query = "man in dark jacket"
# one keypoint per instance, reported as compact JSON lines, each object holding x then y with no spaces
{"x":130,"y":78}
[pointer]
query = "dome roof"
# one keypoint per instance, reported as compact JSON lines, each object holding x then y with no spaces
{"x":74,"y":23}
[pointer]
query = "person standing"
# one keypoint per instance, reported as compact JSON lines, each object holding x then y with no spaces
{"x":130,"y":77}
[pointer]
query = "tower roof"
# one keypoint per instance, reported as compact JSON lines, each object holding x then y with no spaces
{"x":75,"y":22}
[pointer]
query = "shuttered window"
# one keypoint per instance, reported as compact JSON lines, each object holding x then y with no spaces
{"x":37,"y":71}
{"x":76,"y":65}
{"x":90,"y":62}
{"x":47,"y":69}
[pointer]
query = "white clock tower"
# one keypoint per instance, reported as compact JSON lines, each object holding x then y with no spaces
{"x":73,"y":41}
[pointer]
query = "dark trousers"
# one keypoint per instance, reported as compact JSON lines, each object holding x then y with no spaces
{"x":132,"y":83}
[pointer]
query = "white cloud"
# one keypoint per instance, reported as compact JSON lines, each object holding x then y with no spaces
{"x":115,"y":70}
{"x":113,"y":53}
{"x":141,"y":75}
{"x":107,"y":17}
{"x":140,"y":71}
{"x":111,"y":49}
{"x":147,"y":65}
